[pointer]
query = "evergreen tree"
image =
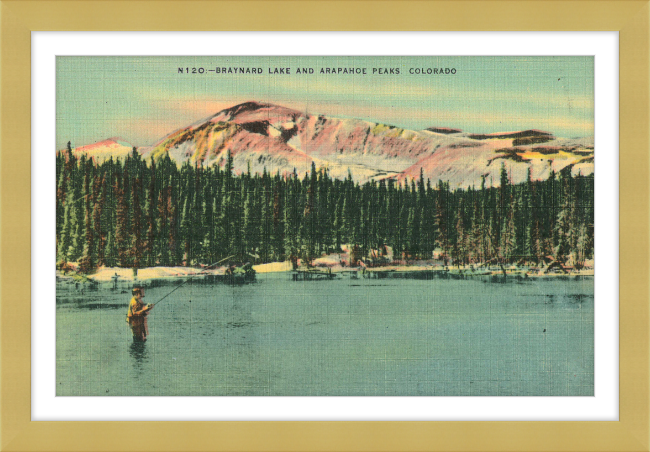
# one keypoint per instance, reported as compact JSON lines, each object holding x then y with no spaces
{"x":339,"y":222}
{"x":278,"y":219}
{"x":207,"y":219}
{"x":564,"y":226}
{"x":121,"y":227}
{"x":308,"y":234}
{"x":172,"y":219}
{"x":111,"y":251}
{"x":61,"y":195}
{"x":186,"y":231}
{"x":413,"y":231}
{"x":87,"y":261}
{"x":99,"y":229}
{"x":460,"y":244}
{"x":527,"y":225}
{"x":150,"y":221}
{"x":582,"y":248}
{"x":508,"y":233}
{"x":251,"y":230}
{"x":562,"y":231}
{"x":477,"y":247}
{"x":402,"y":228}
{"x":67,"y":230}
{"x":442,"y":229}
{"x":162,"y":226}
{"x":136,"y":224}
{"x":130,"y":214}
{"x":265,"y":228}
{"x":291,"y":217}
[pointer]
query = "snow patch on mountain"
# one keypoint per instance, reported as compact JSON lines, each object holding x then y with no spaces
{"x":263,"y":136}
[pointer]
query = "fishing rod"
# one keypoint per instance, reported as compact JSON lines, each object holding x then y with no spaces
{"x":181,"y":284}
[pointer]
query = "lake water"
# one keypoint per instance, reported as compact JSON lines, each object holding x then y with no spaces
{"x":344,"y":337}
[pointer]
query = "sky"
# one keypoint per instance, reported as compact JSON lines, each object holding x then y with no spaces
{"x":142,"y":99}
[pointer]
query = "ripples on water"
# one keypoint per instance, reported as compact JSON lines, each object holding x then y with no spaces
{"x":335,"y":337}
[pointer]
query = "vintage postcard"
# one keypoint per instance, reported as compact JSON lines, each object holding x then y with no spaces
{"x":325,"y":226}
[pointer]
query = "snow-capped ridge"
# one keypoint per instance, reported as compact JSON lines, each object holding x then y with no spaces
{"x":277,"y":138}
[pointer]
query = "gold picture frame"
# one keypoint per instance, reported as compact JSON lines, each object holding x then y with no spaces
{"x":19,"y":18}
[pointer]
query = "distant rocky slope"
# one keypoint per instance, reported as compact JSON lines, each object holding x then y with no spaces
{"x":103,"y":150}
{"x":261,"y":135}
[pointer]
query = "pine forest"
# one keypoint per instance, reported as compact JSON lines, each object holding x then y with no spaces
{"x":136,"y":213}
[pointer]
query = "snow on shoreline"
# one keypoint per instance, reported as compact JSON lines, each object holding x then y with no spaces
{"x":108,"y":274}
{"x":112,"y":274}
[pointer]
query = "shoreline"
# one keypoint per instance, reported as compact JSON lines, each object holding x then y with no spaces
{"x":119,"y":275}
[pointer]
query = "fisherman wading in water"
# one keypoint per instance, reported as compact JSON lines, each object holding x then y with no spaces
{"x":136,"y":316}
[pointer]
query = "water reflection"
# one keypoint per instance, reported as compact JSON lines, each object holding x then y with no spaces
{"x":138,"y":351}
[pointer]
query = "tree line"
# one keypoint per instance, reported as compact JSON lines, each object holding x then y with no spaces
{"x":133,"y":213}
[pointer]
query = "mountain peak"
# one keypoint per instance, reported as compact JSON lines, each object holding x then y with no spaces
{"x":254,"y":112}
{"x":244,"y":107}
{"x":267,"y":137}
{"x":112,"y":142}
{"x":99,"y":151}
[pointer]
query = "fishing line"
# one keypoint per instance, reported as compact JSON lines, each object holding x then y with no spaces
{"x":189,"y":279}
